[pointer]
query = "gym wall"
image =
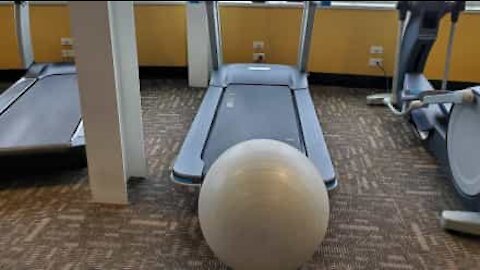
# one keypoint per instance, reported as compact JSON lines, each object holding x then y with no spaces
{"x":341,"y":38}
{"x":9,"y":58}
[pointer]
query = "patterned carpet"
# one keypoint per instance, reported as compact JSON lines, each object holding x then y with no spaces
{"x":384,"y":214}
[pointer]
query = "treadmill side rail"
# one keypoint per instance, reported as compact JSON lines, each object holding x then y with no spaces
{"x":15,"y":91}
{"x":78,"y":137}
{"x":35,"y":70}
{"x":189,"y":163}
{"x":57,"y":69}
{"x":314,"y":140}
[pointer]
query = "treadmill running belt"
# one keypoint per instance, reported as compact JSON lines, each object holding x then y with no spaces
{"x":253,"y":112}
{"x":47,"y":114}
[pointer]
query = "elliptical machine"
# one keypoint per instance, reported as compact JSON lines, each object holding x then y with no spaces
{"x":448,"y":122}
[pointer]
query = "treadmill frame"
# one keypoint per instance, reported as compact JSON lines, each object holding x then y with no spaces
{"x":189,"y":167}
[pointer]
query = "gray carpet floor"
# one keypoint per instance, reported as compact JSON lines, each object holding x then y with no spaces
{"x":384,"y":213}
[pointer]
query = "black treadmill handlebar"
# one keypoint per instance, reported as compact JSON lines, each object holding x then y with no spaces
{"x":454,"y":7}
{"x":402,"y":7}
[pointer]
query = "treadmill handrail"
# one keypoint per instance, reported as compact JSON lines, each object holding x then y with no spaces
{"x":22,"y":29}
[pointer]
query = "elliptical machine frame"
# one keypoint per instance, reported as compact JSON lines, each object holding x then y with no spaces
{"x":446,"y":121}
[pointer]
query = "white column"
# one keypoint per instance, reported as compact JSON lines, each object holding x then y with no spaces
{"x":198,"y":45}
{"x":106,"y":59}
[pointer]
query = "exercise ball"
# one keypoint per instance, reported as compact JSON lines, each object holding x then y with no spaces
{"x":263,"y":205}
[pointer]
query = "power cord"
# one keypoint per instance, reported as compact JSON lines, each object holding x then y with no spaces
{"x":387,"y":82}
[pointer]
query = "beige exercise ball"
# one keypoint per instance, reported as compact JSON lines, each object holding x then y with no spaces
{"x":263,"y":205}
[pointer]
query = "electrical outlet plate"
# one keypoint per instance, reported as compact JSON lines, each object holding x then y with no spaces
{"x":374,"y":62}
{"x":258,"y":45}
{"x":258,"y":57}
{"x":376,"y":49}
{"x":66,"y":41}
{"x":68,"y":53}
{"x":71,"y":53}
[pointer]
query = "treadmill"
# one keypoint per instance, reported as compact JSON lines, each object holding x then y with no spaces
{"x":40,"y":115}
{"x":253,"y":101}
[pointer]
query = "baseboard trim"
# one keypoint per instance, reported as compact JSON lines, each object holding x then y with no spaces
{"x":369,"y":81}
{"x":348,"y":80}
{"x":145,"y":72}
{"x":453,"y":85}
{"x":11,"y":75}
{"x":159,"y":72}
{"x":331,"y":79}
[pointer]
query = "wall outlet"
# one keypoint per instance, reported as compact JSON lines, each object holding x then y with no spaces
{"x":68,"y":53}
{"x":376,"y":49}
{"x":375,"y":62}
{"x":71,"y":53}
{"x":258,"y":45}
{"x":66,"y":41}
{"x":259,"y":57}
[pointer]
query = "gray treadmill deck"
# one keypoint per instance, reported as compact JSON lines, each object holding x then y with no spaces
{"x":276,"y":105}
{"x":45,"y":115}
{"x":253,"y":112}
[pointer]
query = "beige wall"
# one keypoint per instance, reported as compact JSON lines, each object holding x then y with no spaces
{"x":341,"y":38}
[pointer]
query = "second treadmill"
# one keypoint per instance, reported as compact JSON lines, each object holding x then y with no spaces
{"x":40,"y":115}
